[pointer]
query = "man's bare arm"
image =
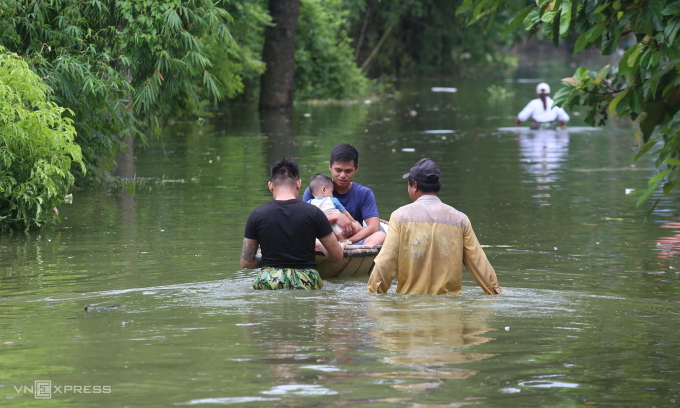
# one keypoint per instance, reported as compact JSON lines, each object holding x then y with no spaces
{"x":248,"y":258}
{"x":372,"y":226}
{"x":332,"y":246}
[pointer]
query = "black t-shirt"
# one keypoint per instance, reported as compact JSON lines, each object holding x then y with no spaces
{"x":286,"y":232}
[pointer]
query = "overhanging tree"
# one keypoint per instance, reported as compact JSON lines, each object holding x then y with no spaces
{"x":119,"y":65}
{"x":645,"y":85}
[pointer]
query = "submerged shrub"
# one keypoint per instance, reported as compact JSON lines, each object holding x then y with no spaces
{"x":36,"y":148}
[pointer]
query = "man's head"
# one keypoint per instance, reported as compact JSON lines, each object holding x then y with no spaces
{"x":321,"y":185}
{"x":425,"y":175}
{"x":343,"y":166}
{"x":285,"y":173}
{"x":543,"y":88}
{"x":345,"y":153}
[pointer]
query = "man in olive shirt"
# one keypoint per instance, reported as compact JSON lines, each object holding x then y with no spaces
{"x":428,"y":242}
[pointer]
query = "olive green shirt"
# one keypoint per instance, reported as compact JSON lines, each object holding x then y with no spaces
{"x":427,"y":244}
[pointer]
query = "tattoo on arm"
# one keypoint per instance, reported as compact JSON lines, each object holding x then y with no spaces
{"x":248,"y":253}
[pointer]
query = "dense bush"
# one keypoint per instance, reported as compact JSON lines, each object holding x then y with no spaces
{"x":36,"y":148}
{"x":324,"y":60}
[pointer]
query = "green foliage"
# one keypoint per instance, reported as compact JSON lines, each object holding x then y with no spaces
{"x":498,"y":93}
{"x":119,"y":65}
{"x":324,"y":61}
{"x":238,"y":66}
{"x":415,"y":38}
{"x":645,"y":85}
{"x":36,"y":149}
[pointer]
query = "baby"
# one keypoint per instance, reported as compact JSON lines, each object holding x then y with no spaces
{"x":321,"y":187}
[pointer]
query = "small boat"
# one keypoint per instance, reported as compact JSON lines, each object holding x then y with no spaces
{"x":357,"y":261}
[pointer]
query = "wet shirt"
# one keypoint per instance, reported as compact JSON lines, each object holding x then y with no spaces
{"x":427,"y":244}
{"x":359,"y":201}
{"x":534,"y":110}
{"x":286,"y":232}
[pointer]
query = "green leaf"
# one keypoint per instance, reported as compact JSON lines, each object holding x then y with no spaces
{"x":616,"y":100}
{"x":648,"y":192}
{"x":672,"y":9}
{"x":532,"y":18}
{"x":518,"y":19}
{"x":657,"y":177}
{"x":548,"y":17}
{"x":634,"y":103}
{"x":563,"y":95}
{"x":633,"y":55}
{"x":589,"y":36}
{"x":565,"y":17}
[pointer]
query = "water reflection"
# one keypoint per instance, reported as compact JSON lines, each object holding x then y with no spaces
{"x":427,"y":334}
{"x":543,"y":151}
{"x":278,"y":128}
{"x":669,"y":247}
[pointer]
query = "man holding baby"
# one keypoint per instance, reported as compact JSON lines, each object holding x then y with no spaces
{"x":357,"y":199}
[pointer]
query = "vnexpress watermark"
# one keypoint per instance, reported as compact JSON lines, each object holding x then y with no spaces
{"x":43,"y":389}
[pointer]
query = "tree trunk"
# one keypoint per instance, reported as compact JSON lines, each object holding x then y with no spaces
{"x":125,"y":160}
{"x":276,"y":86}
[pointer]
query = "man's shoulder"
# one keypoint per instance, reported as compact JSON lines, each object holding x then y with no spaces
{"x":428,"y":208}
{"x":359,"y":190}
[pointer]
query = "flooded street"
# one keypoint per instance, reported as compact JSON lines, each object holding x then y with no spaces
{"x":590,"y":314}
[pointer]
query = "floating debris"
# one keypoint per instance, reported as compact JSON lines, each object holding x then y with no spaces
{"x":408,"y":149}
{"x":444,"y":89}
{"x":86,"y":307}
{"x":439,"y":131}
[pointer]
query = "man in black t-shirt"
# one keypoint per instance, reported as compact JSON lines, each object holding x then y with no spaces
{"x":286,"y":230}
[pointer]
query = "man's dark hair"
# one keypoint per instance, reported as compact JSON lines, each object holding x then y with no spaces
{"x":345,"y":153}
{"x":317,"y":181}
{"x":285,"y":171}
{"x":426,"y":187}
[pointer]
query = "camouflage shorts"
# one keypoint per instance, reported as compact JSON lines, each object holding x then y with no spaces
{"x":287,"y":278}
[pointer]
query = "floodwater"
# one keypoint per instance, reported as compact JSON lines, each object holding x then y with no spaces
{"x":590,"y":314}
